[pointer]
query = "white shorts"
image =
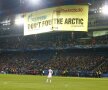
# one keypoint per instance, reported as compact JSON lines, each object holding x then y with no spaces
{"x":49,"y":76}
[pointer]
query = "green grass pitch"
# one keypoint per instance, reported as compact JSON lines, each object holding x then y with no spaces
{"x":32,"y":82}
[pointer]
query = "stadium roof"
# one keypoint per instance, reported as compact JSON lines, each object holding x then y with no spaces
{"x":19,"y":6}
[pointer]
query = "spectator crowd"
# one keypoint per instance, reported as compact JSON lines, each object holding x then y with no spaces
{"x":63,"y":63}
{"x":31,"y":42}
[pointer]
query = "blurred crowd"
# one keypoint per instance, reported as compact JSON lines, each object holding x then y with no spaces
{"x":63,"y":63}
{"x":33,"y":41}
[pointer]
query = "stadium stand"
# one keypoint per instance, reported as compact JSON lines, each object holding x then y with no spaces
{"x":68,"y":53}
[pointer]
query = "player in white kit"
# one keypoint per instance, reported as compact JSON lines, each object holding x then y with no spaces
{"x":50,"y":72}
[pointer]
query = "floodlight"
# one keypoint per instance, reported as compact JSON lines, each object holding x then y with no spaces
{"x":19,"y":21}
{"x":34,"y":1}
{"x":105,"y":9}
